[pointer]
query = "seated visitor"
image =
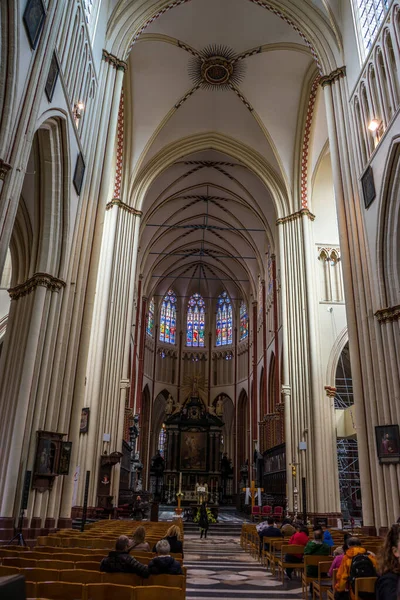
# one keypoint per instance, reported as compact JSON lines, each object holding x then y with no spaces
{"x":300,"y":538}
{"x":164,"y":563}
{"x":138,"y":540}
{"x":269,"y":531}
{"x":345,"y":576}
{"x":316,"y":547}
{"x":388,"y":584}
{"x":287,"y":528}
{"x":338,"y":554}
{"x":327,"y":538}
{"x":173,"y":537}
{"x":120,"y":561}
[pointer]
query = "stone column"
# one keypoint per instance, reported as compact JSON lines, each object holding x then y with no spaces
{"x":254,"y":398}
{"x":305,"y":420}
{"x":94,"y":327}
{"x":354,"y":269}
{"x":33,"y":320}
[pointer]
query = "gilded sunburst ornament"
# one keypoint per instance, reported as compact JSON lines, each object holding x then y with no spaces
{"x":216,"y":68}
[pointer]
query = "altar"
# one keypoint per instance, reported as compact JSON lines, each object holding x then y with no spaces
{"x":193,"y":452}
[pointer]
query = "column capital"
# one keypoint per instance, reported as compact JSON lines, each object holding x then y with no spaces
{"x":119,"y":204}
{"x":330,"y":391}
{"x":38,"y":279}
{"x":389,"y":314}
{"x":4,"y":168}
{"x":286,"y":390}
{"x":334,"y":76}
{"x":119,"y":65}
{"x":304,"y":212}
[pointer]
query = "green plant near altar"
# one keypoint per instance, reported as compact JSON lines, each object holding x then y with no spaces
{"x":210,"y":516}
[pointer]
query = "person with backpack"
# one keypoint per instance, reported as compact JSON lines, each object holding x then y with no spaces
{"x":388,"y":584}
{"x":357,"y":562}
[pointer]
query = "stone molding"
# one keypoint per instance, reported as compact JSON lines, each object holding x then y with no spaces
{"x":38,"y":279}
{"x":4,"y":168}
{"x":330,"y":391}
{"x":119,"y":65}
{"x":389,"y":314}
{"x":123,"y":206}
{"x":304,"y":212}
{"x":334,"y":76}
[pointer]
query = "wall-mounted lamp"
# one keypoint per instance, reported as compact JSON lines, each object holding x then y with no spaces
{"x":79,"y":107}
{"x":374,"y":124}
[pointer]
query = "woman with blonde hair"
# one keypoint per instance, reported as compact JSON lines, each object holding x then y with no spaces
{"x":388,"y":584}
{"x":173,"y":537}
{"x":138,"y":540}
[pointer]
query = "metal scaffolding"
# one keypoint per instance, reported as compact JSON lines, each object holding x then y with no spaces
{"x":349,"y":477}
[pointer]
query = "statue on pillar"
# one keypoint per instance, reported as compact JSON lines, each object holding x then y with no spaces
{"x":169,"y":407}
{"x":219,"y":411}
{"x":201,"y":492}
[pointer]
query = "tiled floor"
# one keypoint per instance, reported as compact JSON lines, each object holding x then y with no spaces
{"x":219,"y":568}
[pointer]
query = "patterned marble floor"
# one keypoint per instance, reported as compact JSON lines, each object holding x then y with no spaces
{"x":219,"y":568}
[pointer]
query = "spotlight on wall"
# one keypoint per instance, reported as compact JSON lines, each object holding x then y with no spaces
{"x":374,"y":124}
{"x":79,"y":107}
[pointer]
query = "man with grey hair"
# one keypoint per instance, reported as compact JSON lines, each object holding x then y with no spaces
{"x":164,"y":563}
{"x":120,"y":561}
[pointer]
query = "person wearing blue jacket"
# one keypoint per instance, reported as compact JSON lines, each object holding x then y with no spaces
{"x":327,"y":538}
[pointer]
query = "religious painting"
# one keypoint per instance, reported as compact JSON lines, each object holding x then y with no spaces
{"x":79,"y":173}
{"x":84,"y":425}
{"x":388,"y":443}
{"x":33,"y":18}
{"x":45,"y":457}
{"x":368,"y":187}
{"x":52,"y":78}
{"x":193,"y":450}
{"x":65,"y":458}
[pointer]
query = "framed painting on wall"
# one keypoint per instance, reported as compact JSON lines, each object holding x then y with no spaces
{"x":79,"y":173}
{"x":34,"y":16}
{"x":52,"y":78}
{"x":388,"y":443}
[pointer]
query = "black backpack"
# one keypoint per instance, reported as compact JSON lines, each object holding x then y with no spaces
{"x":361,"y":566}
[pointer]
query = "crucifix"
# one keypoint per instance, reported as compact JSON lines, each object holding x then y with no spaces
{"x":253,"y":491}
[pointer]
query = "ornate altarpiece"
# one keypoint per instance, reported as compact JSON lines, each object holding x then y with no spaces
{"x":193,"y":448}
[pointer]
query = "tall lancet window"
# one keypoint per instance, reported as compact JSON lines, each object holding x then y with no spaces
{"x":195,"y":321}
{"x":150,"y":319}
{"x":368,"y":16}
{"x":168,"y":318}
{"x":224,"y":320}
{"x":244,"y":321}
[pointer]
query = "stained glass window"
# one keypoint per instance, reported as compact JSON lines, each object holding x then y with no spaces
{"x":244,"y":321}
{"x":224,"y":320}
{"x":195,"y":321}
{"x":161,"y":440}
{"x":168,"y":318}
{"x":150,"y":319}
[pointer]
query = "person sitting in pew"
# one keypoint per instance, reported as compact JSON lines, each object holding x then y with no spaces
{"x":164,"y":563}
{"x":173,"y":537}
{"x":120,"y":561}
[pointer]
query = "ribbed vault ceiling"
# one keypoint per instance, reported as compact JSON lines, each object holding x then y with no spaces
{"x":208,"y":221}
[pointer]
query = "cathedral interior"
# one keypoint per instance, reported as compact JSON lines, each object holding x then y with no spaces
{"x":199,"y":257}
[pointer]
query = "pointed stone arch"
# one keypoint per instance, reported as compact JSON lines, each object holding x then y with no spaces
{"x":157,"y":419}
{"x":388,"y":246}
